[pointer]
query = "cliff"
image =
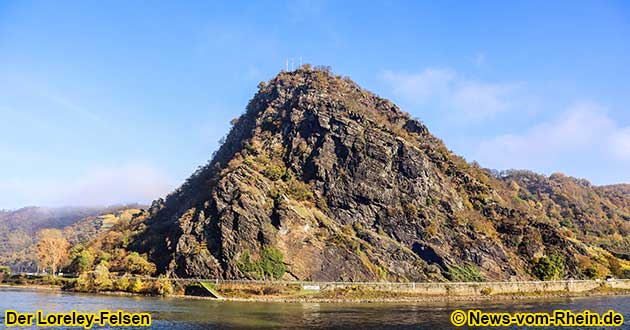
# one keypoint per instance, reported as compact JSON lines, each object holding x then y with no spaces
{"x":322,"y":180}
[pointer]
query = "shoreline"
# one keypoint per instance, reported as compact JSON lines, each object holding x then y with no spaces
{"x":372,"y":300}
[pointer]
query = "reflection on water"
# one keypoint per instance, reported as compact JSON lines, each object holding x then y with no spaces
{"x":203,"y":314}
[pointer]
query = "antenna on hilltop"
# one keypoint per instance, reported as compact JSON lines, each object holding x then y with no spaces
{"x":291,"y":63}
{"x":286,"y":64}
{"x":300,"y":61}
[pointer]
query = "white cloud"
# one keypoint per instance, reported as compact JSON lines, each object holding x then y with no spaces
{"x":446,"y":89}
{"x":620,"y":143}
{"x":584,"y":131}
{"x":103,"y":186}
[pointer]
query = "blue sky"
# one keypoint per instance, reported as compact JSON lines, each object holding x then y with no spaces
{"x":104,"y":102}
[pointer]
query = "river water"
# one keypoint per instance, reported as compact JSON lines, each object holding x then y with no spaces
{"x":171,"y":313}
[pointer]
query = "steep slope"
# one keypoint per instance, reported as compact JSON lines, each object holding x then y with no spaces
{"x":342,"y":185}
{"x":598,"y":216}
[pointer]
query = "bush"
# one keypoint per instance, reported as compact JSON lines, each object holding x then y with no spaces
{"x":549,"y":268}
{"x":137,"y":264}
{"x":137,"y":286}
{"x":300,"y":191}
{"x":269,"y":266}
{"x":273,"y":263}
{"x":614,"y":265}
{"x":122,"y":283}
{"x":274,"y":172}
{"x":102,"y":277}
{"x":82,"y":260}
{"x":163,"y":286}
{"x":83,"y":283}
{"x":467,"y":273}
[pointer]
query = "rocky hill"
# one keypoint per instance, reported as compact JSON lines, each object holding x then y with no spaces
{"x":322,"y":180}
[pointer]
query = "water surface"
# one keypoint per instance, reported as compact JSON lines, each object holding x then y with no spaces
{"x":171,"y":313}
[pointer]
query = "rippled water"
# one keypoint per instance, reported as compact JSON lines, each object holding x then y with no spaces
{"x":203,"y":314}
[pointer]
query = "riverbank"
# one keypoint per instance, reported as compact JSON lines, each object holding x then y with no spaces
{"x":185,"y":314}
{"x":354,"y":294}
{"x":359,"y":295}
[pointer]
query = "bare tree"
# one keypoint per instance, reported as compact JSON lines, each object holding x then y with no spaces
{"x":52,"y":249}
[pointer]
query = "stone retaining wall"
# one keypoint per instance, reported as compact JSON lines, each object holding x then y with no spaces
{"x":456,"y":289}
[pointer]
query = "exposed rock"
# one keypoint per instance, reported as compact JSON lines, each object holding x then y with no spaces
{"x":347,"y":187}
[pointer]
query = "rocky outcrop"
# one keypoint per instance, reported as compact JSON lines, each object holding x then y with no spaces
{"x":347,"y":187}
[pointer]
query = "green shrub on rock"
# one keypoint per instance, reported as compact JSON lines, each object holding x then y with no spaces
{"x":467,"y":273}
{"x":549,"y":268}
{"x":269,"y":266}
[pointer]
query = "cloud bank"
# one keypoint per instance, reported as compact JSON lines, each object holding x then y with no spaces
{"x":583,"y":132}
{"x":582,"y":139}
{"x":127,"y":183}
{"x":449,"y":91}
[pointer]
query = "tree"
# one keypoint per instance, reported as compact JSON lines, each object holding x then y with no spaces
{"x":52,"y":249}
{"x":137,"y":264}
{"x":102,"y":277}
{"x":82,"y":259}
{"x":5,"y":270}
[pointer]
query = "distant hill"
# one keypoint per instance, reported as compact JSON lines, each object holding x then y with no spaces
{"x":323,"y":180}
{"x":18,"y":228}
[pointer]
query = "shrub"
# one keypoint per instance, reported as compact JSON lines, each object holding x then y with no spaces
{"x":549,"y":268}
{"x":82,"y":260}
{"x":466,"y":273}
{"x":83,"y":283}
{"x":137,"y":286}
{"x":163,"y":286}
{"x":614,"y":265}
{"x":137,"y":264}
{"x":590,"y":272}
{"x":411,"y":211}
{"x":102,"y":277}
{"x":122,"y":283}
{"x":300,"y":191}
{"x":274,"y":172}
{"x":269,"y":266}
{"x":5,"y":270}
{"x":273,"y":263}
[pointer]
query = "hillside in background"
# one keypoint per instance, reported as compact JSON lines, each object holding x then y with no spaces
{"x":19,"y":228}
{"x":322,"y":180}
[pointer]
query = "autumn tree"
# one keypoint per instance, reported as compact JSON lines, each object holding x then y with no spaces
{"x":81,"y":258}
{"x":52,"y":249}
{"x":135,"y":263}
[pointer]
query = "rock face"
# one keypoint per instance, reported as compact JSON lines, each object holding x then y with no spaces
{"x":348,"y":187}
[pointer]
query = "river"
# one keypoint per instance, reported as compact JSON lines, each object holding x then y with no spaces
{"x":172,"y":313}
